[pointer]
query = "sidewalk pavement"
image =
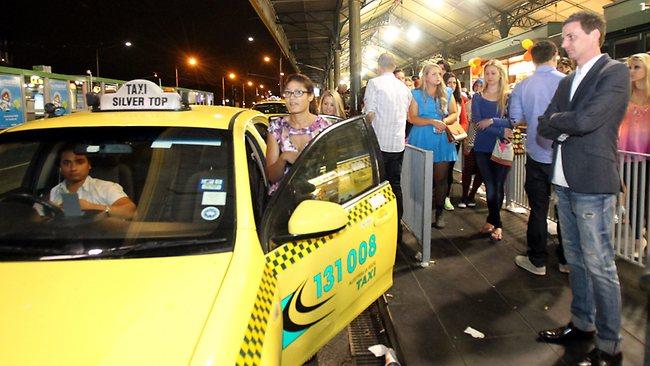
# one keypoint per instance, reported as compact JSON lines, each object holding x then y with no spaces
{"x":475,"y":283}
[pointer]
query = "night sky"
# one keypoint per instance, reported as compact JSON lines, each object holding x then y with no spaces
{"x":65,"y":35}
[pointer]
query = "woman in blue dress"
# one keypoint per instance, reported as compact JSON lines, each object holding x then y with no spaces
{"x":432,"y":109}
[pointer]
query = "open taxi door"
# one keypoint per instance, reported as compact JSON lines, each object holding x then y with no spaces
{"x":331,"y":232}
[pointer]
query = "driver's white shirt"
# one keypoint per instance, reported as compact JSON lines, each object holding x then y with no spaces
{"x":97,"y":191}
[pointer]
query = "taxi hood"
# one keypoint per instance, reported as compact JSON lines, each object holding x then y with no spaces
{"x":107,"y":312}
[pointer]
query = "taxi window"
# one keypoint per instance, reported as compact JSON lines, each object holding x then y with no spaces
{"x":339,"y":166}
{"x":179,"y":178}
{"x":14,"y":161}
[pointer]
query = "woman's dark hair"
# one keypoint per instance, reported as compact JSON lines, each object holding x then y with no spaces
{"x":302,"y":79}
{"x":445,"y":78}
{"x":308,"y":84}
{"x":444,"y":64}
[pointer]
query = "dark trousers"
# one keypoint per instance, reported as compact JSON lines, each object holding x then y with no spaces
{"x":538,"y":190}
{"x":393,"y":170}
{"x":470,"y":169}
{"x":494,"y":175}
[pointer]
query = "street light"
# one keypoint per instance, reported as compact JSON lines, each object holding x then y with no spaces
{"x":231,"y":76}
{"x":267,"y":59}
{"x":125,"y":44}
{"x":155,"y":74}
{"x":243,"y":91}
{"x":192,"y":61}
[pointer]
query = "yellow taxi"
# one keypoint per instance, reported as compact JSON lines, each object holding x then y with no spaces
{"x":210,"y":270}
{"x":272,"y":107}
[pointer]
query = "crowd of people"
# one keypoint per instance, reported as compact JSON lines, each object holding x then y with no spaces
{"x":578,"y":112}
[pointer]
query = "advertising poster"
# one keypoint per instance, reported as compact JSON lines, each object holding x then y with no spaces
{"x":11,"y":106}
{"x":60,"y":95}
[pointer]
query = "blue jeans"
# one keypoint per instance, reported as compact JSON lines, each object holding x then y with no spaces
{"x":494,"y":175}
{"x":587,"y":222}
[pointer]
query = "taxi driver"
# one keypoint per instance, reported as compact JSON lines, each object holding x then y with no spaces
{"x":94,"y":194}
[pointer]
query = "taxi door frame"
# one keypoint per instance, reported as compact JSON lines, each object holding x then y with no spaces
{"x":378,"y":183}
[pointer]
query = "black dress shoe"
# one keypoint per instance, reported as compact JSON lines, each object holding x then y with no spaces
{"x":599,"y":358}
{"x":565,"y":334}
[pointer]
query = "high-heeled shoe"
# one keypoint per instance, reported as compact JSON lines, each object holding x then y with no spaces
{"x":496,"y":235}
{"x":487,"y":229}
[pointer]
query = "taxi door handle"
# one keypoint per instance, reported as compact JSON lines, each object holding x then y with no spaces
{"x":383,"y":217}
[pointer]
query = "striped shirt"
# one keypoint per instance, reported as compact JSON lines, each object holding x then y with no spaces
{"x":389,"y":99}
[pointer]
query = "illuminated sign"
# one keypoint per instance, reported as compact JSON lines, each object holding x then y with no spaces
{"x":140,"y":95}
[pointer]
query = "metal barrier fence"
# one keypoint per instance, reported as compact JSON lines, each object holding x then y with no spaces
{"x":417,"y":188}
{"x":631,"y":231}
{"x":515,"y":192}
{"x":633,"y":212}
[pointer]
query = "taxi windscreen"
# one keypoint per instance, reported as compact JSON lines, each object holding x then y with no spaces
{"x":105,"y":192}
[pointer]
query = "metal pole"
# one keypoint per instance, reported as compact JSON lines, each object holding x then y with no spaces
{"x":280,"y":88}
{"x":223,"y":90}
{"x":337,"y":66}
{"x":176,"y":69}
{"x":243,"y":94}
{"x":97,"y":62}
{"x":355,"y":55}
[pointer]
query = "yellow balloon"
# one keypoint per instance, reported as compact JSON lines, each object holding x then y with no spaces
{"x":527,"y":44}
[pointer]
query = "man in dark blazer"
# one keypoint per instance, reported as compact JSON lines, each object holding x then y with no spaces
{"x":583,"y":120}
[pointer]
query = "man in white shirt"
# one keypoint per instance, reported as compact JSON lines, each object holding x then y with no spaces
{"x":386,"y":102}
{"x":582,"y":120}
{"x":94,"y":194}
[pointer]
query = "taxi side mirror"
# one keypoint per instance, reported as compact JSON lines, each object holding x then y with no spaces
{"x":314,"y":218}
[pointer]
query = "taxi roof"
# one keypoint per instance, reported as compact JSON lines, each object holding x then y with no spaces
{"x":217,"y":117}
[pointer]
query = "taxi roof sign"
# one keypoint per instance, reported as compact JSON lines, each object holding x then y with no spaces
{"x":140,"y":95}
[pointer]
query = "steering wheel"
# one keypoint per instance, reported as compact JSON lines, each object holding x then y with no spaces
{"x":28,"y":198}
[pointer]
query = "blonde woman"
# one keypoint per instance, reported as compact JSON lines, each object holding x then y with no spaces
{"x":634,"y":136}
{"x":331,"y":104}
{"x":432,"y":108}
{"x":489,"y":116}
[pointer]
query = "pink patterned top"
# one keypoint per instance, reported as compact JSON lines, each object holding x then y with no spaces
{"x":634,"y":133}
{"x":282,"y":131}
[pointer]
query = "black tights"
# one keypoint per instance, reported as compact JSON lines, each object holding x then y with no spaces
{"x":440,"y":174}
{"x":450,"y":178}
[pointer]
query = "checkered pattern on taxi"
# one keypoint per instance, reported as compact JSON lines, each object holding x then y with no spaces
{"x":251,"y":350}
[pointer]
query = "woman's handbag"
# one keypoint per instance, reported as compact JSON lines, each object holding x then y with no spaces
{"x":455,"y":132}
{"x":503,"y":152}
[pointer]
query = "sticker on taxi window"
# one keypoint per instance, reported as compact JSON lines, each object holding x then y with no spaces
{"x":210,"y":213}
{"x":213,"y":198}
{"x":211,"y":184}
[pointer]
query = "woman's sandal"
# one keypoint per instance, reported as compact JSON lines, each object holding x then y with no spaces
{"x":487,"y":229}
{"x":496,"y":235}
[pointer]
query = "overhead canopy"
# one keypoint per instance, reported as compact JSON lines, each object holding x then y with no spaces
{"x":413,"y":30}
